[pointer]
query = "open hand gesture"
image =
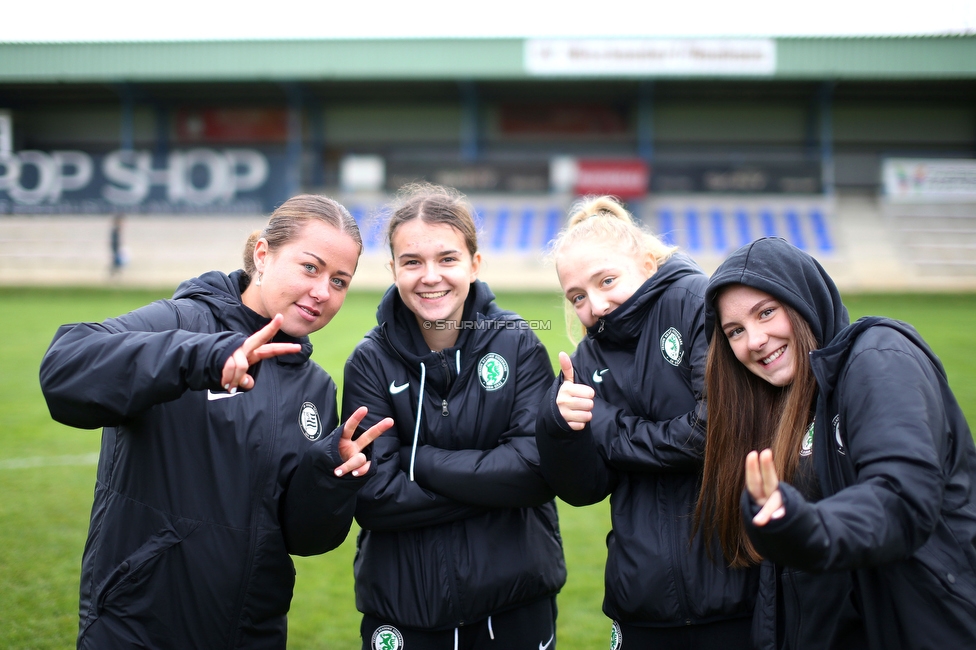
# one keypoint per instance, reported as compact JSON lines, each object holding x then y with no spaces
{"x":254,"y":349}
{"x":575,"y":401}
{"x":763,"y":486}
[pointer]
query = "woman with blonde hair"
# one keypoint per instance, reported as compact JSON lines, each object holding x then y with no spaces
{"x":626,"y":420}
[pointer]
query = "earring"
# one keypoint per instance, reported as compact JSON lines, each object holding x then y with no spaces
{"x":257,"y":281}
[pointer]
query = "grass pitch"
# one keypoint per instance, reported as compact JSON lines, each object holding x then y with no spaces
{"x":47,"y":470}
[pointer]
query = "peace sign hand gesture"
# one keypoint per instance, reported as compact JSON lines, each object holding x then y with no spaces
{"x":763,"y":486}
{"x":254,"y":349}
{"x":351,"y":451}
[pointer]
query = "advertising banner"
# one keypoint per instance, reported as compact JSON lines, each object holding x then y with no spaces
{"x":232,"y":125}
{"x":625,"y":178}
{"x":527,"y":177}
{"x":745,"y":178}
{"x":199,"y":180}
{"x":561,"y":119}
{"x":921,"y":180}
{"x":642,"y":57}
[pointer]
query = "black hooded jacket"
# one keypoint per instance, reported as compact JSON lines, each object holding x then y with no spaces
{"x":643,"y":447}
{"x":200,"y":495}
{"x":887,"y":558}
{"x":458,"y":523}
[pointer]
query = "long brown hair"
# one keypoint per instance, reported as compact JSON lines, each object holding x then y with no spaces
{"x":291,"y":216}
{"x":746,"y":413}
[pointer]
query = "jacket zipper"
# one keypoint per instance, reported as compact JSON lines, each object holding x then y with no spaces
{"x":256,"y":505}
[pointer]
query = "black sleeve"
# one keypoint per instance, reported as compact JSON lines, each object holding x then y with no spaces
{"x":390,"y":501}
{"x":636,"y":444}
{"x":318,"y":505}
{"x":893,"y":418}
{"x":571,"y":461}
{"x":507,"y":476}
{"x":100,"y":374}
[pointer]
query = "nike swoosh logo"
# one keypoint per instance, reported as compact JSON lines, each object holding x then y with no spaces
{"x":211,"y":396}
{"x":394,"y":389}
{"x":544,"y":646}
{"x":598,"y":375}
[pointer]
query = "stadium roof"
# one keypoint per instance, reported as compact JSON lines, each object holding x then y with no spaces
{"x":490,"y":59}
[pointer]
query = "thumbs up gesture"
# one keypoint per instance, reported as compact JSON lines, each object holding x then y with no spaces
{"x":575,"y":401}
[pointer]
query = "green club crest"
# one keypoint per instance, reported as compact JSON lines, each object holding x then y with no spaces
{"x":671,"y":347}
{"x":492,"y":371}
{"x":807,"y":448}
{"x":387,"y":637}
{"x":616,"y":638}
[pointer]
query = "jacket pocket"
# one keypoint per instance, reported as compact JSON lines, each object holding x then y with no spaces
{"x":946,"y":562}
{"x":124,"y":586}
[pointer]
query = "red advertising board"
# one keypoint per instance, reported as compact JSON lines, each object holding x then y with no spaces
{"x":237,"y":125}
{"x":560,"y":119}
{"x":623,"y":178}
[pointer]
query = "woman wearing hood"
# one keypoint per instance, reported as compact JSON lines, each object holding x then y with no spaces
{"x":211,"y":473}
{"x":859,"y":464}
{"x":625,"y":420}
{"x":460,"y":543}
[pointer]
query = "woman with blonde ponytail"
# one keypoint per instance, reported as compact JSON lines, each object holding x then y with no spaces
{"x":626,"y":420}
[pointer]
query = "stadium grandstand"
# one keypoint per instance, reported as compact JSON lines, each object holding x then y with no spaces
{"x":861,"y":150}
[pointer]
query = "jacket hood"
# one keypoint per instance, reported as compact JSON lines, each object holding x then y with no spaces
{"x":833,"y":357}
{"x":626,"y":322}
{"x":789,"y":275}
{"x":222,"y":294}
{"x":437,"y":369}
{"x":403,"y":332}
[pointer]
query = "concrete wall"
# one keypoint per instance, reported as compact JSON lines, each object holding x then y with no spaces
{"x":868,"y":252}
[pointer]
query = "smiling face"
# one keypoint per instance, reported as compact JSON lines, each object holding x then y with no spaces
{"x":306,"y":279}
{"x":433,"y":270}
{"x":598,"y":278}
{"x":760,"y":333}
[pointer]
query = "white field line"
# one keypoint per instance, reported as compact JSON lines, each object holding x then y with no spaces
{"x":48,"y":461}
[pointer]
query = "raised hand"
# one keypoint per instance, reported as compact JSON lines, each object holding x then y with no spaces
{"x":351,"y":450}
{"x":763,"y":486}
{"x":254,"y":349}
{"x":575,"y":401}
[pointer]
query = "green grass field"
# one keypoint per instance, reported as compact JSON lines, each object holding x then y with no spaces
{"x":47,"y":472}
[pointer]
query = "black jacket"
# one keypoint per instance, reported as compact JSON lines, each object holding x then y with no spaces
{"x":887,"y":558}
{"x":461,"y":525}
{"x":200,"y":496}
{"x":643,"y":447}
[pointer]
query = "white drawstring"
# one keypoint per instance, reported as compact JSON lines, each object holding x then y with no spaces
{"x":491,"y":632}
{"x":416,"y":428}
{"x":455,"y":639}
{"x":457,"y":362}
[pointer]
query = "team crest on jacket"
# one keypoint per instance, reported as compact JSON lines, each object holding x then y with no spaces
{"x":492,"y":371}
{"x":387,"y":637}
{"x":310,"y":422}
{"x":671,"y":347}
{"x":616,"y":638}
{"x":840,"y":441}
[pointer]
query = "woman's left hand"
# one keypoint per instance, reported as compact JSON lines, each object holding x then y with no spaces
{"x":351,"y":450}
{"x":255,"y":348}
{"x":763,"y":486}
